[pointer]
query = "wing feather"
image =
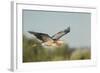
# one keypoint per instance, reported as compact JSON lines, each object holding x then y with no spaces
{"x":60,"y":34}
{"x":42,"y":36}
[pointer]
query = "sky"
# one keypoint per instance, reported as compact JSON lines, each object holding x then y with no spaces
{"x":51,"y":22}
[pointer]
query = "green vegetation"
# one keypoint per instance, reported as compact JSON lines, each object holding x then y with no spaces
{"x":33,"y":51}
{"x":81,"y":54}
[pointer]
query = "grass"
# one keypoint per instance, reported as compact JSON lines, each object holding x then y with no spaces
{"x":34,"y":52}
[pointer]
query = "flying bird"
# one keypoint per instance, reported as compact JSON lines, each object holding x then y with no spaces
{"x":47,"y":40}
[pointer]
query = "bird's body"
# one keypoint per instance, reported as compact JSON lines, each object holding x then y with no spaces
{"x":48,"y":41}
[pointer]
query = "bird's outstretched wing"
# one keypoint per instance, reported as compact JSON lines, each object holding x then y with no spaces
{"x":41,"y":36}
{"x":60,"y":34}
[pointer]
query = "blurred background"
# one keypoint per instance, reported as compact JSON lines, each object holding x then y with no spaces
{"x":33,"y":51}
